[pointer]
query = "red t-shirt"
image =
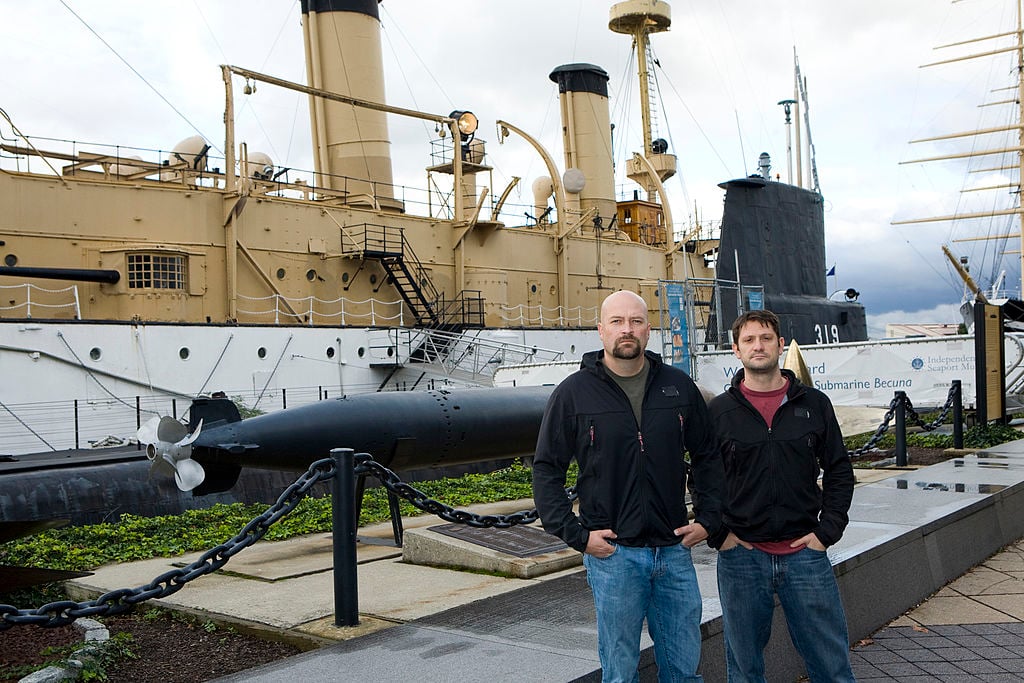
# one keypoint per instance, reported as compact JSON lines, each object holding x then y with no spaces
{"x":767,"y":402}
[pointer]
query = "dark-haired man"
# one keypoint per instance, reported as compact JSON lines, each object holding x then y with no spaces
{"x":775,"y":436}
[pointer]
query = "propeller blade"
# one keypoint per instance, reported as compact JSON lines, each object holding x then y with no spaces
{"x":191,"y":437}
{"x":170,"y":430}
{"x":188,"y":474}
{"x":147,"y":432}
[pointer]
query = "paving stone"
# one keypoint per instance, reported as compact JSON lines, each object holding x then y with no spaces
{"x":901,"y":670}
{"x":1012,"y":605}
{"x":881,"y":657}
{"x":863,"y":671}
{"x":984,"y":628}
{"x":956,"y":654}
{"x":1007,"y":640}
{"x":949,"y":629}
{"x":921,"y":654}
{"x":981,"y":666}
{"x":971,"y":641}
{"x":979,"y":581}
{"x":940,"y":668}
{"x":957,"y":610}
{"x":1015,"y":665}
{"x":995,"y":652}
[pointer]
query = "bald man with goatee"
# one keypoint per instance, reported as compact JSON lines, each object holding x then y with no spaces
{"x":639,"y":431}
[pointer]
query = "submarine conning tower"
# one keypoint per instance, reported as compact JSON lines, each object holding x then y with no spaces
{"x":351,"y":147}
{"x":587,"y":136}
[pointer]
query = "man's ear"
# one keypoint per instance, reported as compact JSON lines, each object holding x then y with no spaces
{"x":736,"y":350}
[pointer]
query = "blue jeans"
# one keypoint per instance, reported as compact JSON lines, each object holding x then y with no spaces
{"x":658,"y":584}
{"x":748,"y":581}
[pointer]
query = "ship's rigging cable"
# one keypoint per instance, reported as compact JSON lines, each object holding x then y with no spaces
{"x":92,"y":375}
{"x":136,"y":72}
{"x":23,"y":424}
{"x":216,"y":365}
{"x":274,"y":371}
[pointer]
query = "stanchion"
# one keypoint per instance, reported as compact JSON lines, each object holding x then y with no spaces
{"x":958,"y":414}
{"x":901,"y":429}
{"x":343,"y":528}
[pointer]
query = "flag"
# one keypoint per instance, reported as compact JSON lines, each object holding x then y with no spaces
{"x":831,"y":271}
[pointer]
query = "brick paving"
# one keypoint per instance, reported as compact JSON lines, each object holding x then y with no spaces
{"x":928,"y":644}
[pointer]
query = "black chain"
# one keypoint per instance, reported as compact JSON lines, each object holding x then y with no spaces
{"x":365,"y":464}
{"x":880,"y":432}
{"x":121,"y":600}
{"x":912,"y":418}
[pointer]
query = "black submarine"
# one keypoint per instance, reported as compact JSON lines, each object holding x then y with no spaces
{"x":773,"y":235}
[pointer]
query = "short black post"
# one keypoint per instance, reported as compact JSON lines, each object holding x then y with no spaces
{"x":343,"y":528}
{"x":138,"y":419}
{"x":901,"y":429}
{"x":958,"y":414}
{"x":76,"y":423}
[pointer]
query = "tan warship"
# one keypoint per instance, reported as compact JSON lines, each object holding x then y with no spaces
{"x":189,"y":273}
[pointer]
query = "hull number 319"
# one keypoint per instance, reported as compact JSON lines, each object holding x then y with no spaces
{"x":826,"y":334}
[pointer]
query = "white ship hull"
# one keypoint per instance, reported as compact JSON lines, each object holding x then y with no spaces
{"x":71,"y":385}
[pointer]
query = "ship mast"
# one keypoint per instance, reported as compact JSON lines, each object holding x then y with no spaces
{"x":1018,"y":48}
{"x":640,"y":18}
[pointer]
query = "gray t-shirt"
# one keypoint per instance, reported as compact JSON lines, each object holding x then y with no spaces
{"x":634,"y":387}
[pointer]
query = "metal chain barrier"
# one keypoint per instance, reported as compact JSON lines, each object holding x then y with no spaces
{"x":115,"y":602}
{"x":915,"y":420}
{"x":64,"y":612}
{"x":912,"y":417}
{"x":365,"y":464}
{"x":879,"y":433}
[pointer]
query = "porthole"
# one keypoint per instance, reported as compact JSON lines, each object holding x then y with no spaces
{"x":361,"y":352}
{"x":572,"y":348}
{"x":261,"y":352}
{"x":344,"y":277}
{"x":533,"y":289}
{"x":183,"y":353}
{"x":280,"y":273}
{"x":310,"y":274}
{"x":391,"y":351}
{"x":330,"y":352}
{"x":95,"y":353}
{"x":373,"y":279}
{"x":11,"y":260}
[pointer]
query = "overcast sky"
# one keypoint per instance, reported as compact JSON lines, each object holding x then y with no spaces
{"x":723,"y":67}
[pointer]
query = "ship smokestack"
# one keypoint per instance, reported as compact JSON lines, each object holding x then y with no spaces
{"x":351,"y":144}
{"x":587,"y":134}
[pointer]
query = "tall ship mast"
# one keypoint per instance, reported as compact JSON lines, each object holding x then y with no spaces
{"x":985,"y":277}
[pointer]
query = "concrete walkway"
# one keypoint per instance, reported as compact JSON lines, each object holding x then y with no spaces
{"x":912,"y":532}
{"x":971,"y":630}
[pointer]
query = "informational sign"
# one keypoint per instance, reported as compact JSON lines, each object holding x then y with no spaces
{"x":755,"y":300}
{"x":869,"y":373}
{"x":677,"y":350}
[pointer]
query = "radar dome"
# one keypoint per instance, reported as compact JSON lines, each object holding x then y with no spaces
{"x":192,"y":151}
{"x":573,"y":180}
{"x":261,"y":166}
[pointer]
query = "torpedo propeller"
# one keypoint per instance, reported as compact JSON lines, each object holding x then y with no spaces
{"x":169,"y":449}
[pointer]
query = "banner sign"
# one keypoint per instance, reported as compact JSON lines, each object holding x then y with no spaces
{"x":869,"y":373}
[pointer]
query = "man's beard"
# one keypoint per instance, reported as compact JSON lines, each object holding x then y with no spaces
{"x":627,"y":354}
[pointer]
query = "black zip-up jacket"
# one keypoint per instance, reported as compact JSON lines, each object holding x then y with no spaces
{"x":632,"y":478}
{"x":772,"y":474}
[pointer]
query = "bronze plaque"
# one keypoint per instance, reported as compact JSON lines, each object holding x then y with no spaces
{"x":520,"y":541}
